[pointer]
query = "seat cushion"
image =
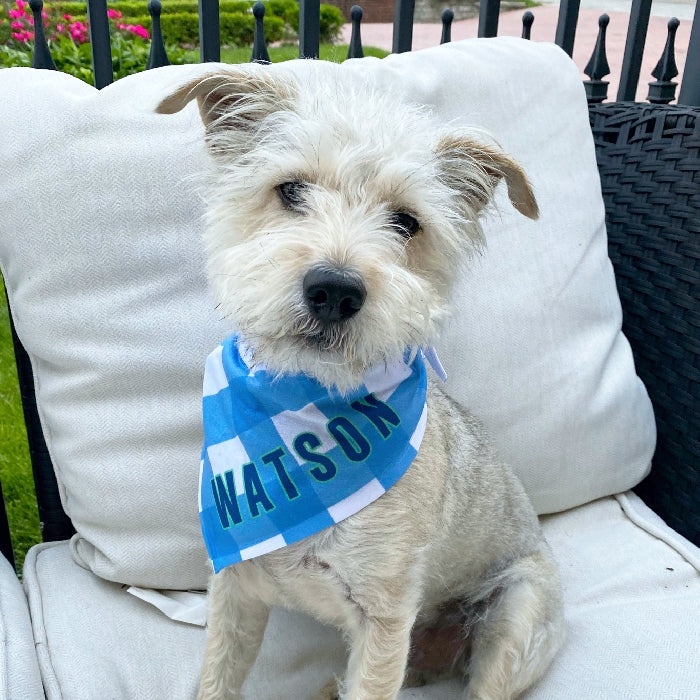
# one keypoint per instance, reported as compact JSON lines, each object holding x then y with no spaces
{"x":631,"y":601}
{"x":108,"y":295}
{"x":19,"y":668}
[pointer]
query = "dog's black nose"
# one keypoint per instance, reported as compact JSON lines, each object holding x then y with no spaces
{"x":333,"y":295}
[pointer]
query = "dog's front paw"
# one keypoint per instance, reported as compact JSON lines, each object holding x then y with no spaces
{"x":329,"y":691}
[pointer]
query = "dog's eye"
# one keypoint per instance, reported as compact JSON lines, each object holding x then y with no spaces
{"x":292,"y":194}
{"x":404,"y":223}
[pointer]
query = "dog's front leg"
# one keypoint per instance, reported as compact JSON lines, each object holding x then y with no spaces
{"x":237,"y":618}
{"x":378,"y":657}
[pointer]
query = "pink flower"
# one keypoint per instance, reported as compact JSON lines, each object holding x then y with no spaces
{"x":16,"y":25}
{"x":16,"y":14}
{"x":23,"y":36}
{"x":59,"y":28}
{"x":114,"y":14}
{"x":68,"y":18}
{"x":137,"y":30}
{"x":78,"y":32}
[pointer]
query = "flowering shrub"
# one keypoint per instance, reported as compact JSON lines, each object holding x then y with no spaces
{"x":69,"y":42}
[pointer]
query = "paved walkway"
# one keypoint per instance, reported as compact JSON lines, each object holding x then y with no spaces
{"x":543,"y":29}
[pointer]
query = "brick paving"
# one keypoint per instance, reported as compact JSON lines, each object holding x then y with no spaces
{"x":543,"y":29}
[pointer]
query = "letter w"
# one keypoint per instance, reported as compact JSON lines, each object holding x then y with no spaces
{"x":225,"y":498}
{"x":381,"y":414}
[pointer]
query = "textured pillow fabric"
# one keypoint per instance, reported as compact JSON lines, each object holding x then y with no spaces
{"x":535,"y":347}
{"x":99,"y":244}
{"x":102,"y":259}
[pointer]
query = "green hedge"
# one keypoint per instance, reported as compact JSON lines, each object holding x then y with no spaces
{"x":136,"y":9}
{"x":236,"y":28}
{"x":180,"y":19}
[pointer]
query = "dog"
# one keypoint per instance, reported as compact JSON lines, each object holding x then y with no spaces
{"x":337,"y":220}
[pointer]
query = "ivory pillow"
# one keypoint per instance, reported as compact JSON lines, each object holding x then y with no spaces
{"x":99,"y":244}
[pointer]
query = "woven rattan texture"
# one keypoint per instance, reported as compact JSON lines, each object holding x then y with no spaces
{"x":649,"y":162}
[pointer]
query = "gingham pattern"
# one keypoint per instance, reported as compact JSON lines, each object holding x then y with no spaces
{"x":283,"y":458}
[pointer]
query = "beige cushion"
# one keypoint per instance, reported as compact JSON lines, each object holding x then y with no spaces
{"x":630,"y":601}
{"x":19,"y":667}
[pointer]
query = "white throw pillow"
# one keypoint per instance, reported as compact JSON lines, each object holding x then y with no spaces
{"x":99,"y":244}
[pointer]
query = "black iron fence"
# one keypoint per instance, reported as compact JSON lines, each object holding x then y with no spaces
{"x":661,"y":91}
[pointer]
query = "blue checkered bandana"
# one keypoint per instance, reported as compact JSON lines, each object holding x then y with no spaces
{"x":284,"y":457}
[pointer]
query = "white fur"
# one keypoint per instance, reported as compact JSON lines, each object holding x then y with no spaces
{"x":455,"y":543}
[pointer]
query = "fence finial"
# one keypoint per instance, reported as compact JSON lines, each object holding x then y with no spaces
{"x":355,"y":48}
{"x":446,"y":17}
{"x":663,"y":89}
{"x":158,"y":56}
{"x":528,"y":19}
{"x":260,"y":53}
{"x":41,"y":57}
{"x":597,"y":68}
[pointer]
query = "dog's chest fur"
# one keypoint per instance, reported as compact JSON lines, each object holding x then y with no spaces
{"x":430,"y":526}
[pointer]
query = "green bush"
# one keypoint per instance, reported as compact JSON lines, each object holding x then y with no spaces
{"x":236,"y":28}
{"x":235,"y":32}
{"x":137,"y":9}
{"x":180,"y":19}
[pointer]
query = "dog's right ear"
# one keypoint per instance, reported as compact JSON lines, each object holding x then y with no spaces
{"x":234,"y":99}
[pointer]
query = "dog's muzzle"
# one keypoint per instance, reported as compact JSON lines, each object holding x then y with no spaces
{"x":333,"y":295}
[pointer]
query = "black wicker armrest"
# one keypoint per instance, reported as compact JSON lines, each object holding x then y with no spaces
{"x":649,"y":163}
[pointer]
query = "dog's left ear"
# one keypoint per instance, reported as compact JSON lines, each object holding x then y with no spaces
{"x":235,"y":98}
{"x":474,"y":169}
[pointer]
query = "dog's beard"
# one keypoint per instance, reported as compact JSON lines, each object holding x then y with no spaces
{"x":331,"y":339}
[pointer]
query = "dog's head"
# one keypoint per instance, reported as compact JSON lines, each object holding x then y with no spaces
{"x":337,"y":217}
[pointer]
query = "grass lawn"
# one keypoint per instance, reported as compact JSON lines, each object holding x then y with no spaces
{"x":328,"y":52}
{"x":15,"y":468}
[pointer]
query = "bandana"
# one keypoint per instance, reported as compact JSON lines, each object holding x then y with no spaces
{"x":284,"y":457}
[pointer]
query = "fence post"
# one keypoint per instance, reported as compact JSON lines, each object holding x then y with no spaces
{"x":634,"y":48}
{"x":447,"y":17}
{"x":663,"y":89}
{"x":597,"y":67}
{"x":690,"y":89}
{"x":309,"y":28}
{"x":403,"y":25}
{"x":260,"y":53}
{"x":157,"y":56}
{"x":488,"y":18}
{"x":41,"y":56}
{"x":566,"y":25}
{"x":5,"y":536}
{"x":355,"y":48}
{"x":209,"y":31}
{"x":100,"y":43}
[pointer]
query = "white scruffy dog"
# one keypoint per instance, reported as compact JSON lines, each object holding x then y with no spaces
{"x":338,"y":220}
